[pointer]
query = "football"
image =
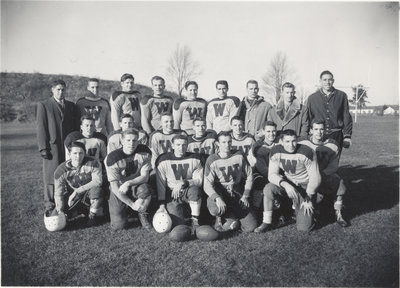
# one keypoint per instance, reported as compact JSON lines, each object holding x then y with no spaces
{"x":162,"y":222}
{"x":181,"y":233}
{"x":206,"y":233}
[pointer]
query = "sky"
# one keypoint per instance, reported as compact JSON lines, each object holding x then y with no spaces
{"x":357,"y":41}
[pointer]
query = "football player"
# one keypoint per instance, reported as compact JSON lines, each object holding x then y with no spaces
{"x":93,"y":105}
{"x":187,"y":109}
{"x":115,"y":138}
{"x":153,"y":106}
{"x":179,"y":182}
{"x":128,"y":171}
{"x":299,"y":181}
{"x":327,"y":151}
{"x":221,"y":110}
{"x":76,"y":178}
{"x":202,"y":141}
{"x":228,"y":180}
{"x":125,"y":101}
{"x":241,"y":140}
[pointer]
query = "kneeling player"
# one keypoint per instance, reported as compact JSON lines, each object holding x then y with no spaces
{"x":77,"y":178}
{"x":327,"y":151}
{"x":128,"y":172}
{"x":226,"y":172}
{"x":179,"y":181}
{"x":300,"y":181}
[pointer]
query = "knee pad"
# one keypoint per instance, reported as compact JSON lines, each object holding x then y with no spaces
{"x":212,"y":207}
{"x":143,"y":191}
{"x":194,"y":193}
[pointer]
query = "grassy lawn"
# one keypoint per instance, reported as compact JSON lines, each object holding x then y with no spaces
{"x":364,"y":254}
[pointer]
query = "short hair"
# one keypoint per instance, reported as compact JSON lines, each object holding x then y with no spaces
{"x":269,"y":123}
{"x":127,"y":76}
{"x":318,"y":122}
{"x":77,"y":144}
{"x":288,"y":132}
{"x":58,"y":82}
{"x":223,"y":133}
{"x":166,"y":113}
{"x":236,"y":118}
{"x":154,"y":78}
{"x":125,"y":116}
{"x":222,"y":82}
{"x":251,"y":82}
{"x":198,"y":118}
{"x":179,"y":137}
{"x":188,"y":83}
{"x":131,"y":131}
{"x":326,"y":72}
{"x":87,"y":117}
{"x":288,"y":85}
{"x":93,"y":80}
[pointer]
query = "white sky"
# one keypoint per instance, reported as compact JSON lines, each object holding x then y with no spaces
{"x":357,"y":41}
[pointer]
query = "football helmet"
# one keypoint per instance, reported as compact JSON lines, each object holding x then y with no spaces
{"x":162,"y":222}
{"x":55,"y":222}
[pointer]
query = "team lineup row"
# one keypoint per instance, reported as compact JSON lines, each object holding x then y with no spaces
{"x":231,"y":196}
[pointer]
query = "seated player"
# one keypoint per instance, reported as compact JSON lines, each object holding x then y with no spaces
{"x":221,"y":110}
{"x":299,"y":181}
{"x":185,"y":110}
{"x":95,"y":142}
{"x":115,"y":138}
{"x":77,"y":178}
{"x":97,"y":107}
{"x":327,"y":151}
{"x":202,"y":141}
{"x":241,"y":140}
{"x":128,"y":171}
{"x":228,"y":181}
{"x":179,"y":182}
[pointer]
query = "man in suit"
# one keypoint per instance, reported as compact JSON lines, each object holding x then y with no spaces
{"x":56,"y":118}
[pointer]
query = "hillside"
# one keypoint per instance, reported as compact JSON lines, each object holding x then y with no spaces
{"x":19,"y":92}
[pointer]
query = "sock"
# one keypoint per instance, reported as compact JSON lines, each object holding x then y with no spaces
{"x":195,"y":207}
{"x":267,"y":217}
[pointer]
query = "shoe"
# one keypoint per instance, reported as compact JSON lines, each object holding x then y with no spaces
{"x":340,"y":220}
{"x":234,"y":225}
{"x":264,"y":227}
{"x":144,"y":220}
{"x":195,"y":224}
{"x":218,"y":224}
{"x":93,"y":220}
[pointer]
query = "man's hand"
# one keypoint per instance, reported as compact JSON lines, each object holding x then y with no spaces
{"x":74,"y":197}
{"x":221,"y":205}
{"x":45,"y":154}
{"x":291,"y":192}
{"x":346,"y":143}
{"x":245,"y":201}
{"x":176,"y":192}
{"x":308,"y":207}
{"x":124,"y":188}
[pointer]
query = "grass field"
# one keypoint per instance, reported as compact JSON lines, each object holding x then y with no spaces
{"x":364,"y":254}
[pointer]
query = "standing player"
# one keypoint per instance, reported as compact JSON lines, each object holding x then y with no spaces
{"x":327,"y":152}
{"x":221,"y":110}
{"x":55,"y":118}
{"x":179,"y":182}
{"x":332,"y":105}
{"x":76,"y":178}
{"x":241,"y":140}
{"x":187,"y":109}
{"x":115,"y":138}
{"x":299,"y":181}
{"x":153,"y":106}
{"x":202,"y":141}
{"x":125,"y":102}
{"x":227,"y":181}
{"x":93,"y":105}
{"x":253,"y":110}
{"x":128,"y":173}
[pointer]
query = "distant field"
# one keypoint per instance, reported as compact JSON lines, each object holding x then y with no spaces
{"x":365,"y":254}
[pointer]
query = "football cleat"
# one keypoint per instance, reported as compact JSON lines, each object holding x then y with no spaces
{"x":93,"y":220}
{"x":195,"y":224}
{"x":264,"y":227}
{"x":144,"y":220}
{"x":340,"y":220}
{"x":218,"y":224}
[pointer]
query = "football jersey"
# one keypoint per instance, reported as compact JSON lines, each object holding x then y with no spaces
{"x":220,"y":113}
{"x":261,"y":151}
{"x":115,"y":140}
{"x":185,"y":111}
{"x":229,"y":172}
{"x":204,"y":145}
{"x":171,"y":170}
{"x":152,"y":107}
{"x":162,"y":143}
{"x":327,"y":155}
{"x":125,"y":103}
{"x":300,"y":167}
{"x":243,"y":144}
{"x":122,"y":167}
{"x":95,"y":145}
{"x":100,"y":110}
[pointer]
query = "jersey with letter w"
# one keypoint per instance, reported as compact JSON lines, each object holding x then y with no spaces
{"x":220,"y":113}
{"x":204,"y":145}
{"x":185,"y":111}
{"x":152,"y":107}
{"x":243,"y":143}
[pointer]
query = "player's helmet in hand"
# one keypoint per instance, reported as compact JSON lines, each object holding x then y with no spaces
{"x":55,"y":222}
{"x":162,"y":222}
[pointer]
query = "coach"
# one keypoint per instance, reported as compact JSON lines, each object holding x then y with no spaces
{"x":332,"y":105}
{"x":56,"y":118}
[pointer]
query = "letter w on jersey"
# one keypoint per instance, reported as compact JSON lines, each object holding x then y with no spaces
{"x":180,"y":171}
{"x":134,"y":103}
{"x":230,"y":172}
{"x":162,"y":106}
{"x":289,"y":165}
{"x":219,"y":109}
{"x":193,"y":112}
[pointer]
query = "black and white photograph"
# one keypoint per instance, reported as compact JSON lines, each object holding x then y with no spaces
{"x":199,"y":143}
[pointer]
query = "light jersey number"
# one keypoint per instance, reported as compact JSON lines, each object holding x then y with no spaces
{"x":180,"y":171}
{"x":162,"y":106}
{"x":219,"y":109}
{"x":230,"y":172}
{"x":289,"y":165}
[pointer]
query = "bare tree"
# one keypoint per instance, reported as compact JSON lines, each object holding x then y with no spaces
{"x":278,"y":73}
{"x":182,"y":67}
